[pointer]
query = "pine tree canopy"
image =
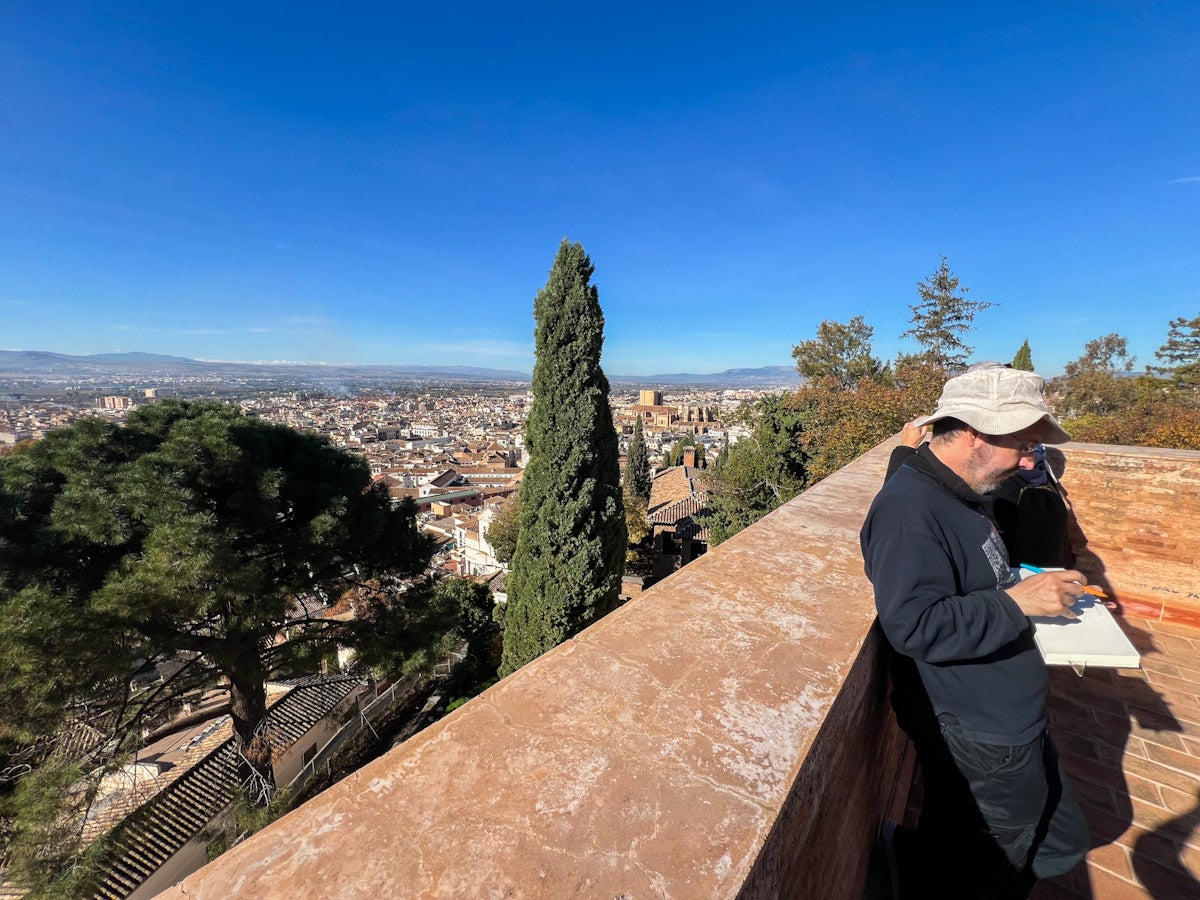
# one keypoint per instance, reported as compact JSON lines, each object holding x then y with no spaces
{"x":841,"y":352}
{"x":195,"y":533}
{"x":943,"y":318}
{"x":1181,"y":353}
{"x":566,"y":571}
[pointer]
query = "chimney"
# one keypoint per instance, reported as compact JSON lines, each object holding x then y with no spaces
{"x":689,"y":456}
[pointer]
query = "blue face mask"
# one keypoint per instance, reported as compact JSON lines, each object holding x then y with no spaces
{"x":1038,"y":475}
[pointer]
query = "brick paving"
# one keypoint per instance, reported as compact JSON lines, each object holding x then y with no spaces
{"x":1130,"y":740}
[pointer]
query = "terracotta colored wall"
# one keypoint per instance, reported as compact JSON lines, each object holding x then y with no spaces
{"x":724,"y":735}
{"x":1139,"y":510}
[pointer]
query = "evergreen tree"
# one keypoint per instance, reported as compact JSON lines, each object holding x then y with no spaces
{"x":637,"y":464}
{"x":943,"y":318}
{"x":677,"y":451}
{"x":1181,"y":352}
{"x":566,"y":571}
{"x":191,"y":533}
{"x":841,"y":352}
{"x":474,"y":607}
{"x":723,"y":456}
{"x":761,"y":472}
{"x":1024,"y":358}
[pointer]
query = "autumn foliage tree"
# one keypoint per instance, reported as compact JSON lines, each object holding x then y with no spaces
{"x":1097,"y":383}
{"x":502,"y":531}
{"x":840,"y":425}
{"x":1101,"y":400}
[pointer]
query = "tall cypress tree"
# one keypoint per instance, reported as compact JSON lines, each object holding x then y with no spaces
{"x":1024,"y":358}
{"x":637,"y":463}
{"x":566,"y":571}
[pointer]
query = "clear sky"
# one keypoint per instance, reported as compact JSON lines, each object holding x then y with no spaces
{"x":389,"y":182}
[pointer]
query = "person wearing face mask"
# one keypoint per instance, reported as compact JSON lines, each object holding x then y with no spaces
{"x":969,"y":685}
{"x":1030,"y":510}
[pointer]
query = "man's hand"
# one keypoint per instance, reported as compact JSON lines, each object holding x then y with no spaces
{"x":1048,"y":594}
{"x":912,"y":435}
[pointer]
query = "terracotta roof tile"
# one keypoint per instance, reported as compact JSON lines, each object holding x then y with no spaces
{"x":675,"y":484}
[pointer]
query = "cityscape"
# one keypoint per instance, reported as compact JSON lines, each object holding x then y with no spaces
{"x":357,"y":542}
{"x":454,"y":450}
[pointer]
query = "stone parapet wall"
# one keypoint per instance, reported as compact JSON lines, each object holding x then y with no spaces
{"x":1138,"y":515}
{"x":724,"y":735}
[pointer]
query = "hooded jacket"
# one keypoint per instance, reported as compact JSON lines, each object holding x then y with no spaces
{"x":939,"y":570}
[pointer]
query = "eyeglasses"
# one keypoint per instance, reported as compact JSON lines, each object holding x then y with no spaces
{"x":1022,"y":447}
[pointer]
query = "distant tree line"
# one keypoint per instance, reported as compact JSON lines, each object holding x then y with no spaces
{"x":850,"y":400}
{"x":1102,"y":400}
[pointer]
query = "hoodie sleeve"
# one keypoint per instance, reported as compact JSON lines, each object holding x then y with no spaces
{"x":920,"y":610}
{"x":900,"y":455}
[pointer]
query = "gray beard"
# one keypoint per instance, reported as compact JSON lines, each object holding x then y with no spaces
{"x":988,"y":486}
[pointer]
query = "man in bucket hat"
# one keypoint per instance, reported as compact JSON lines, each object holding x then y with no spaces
{"x":969,"y":685}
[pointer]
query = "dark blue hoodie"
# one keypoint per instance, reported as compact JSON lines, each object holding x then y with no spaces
{"x":939,"y":570}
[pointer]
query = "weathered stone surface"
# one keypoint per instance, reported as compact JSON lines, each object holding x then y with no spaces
{"x":682,"y":747}
{"x":725,"y":734}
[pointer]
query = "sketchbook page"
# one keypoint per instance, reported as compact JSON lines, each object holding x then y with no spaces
{"x":1094,"y":639}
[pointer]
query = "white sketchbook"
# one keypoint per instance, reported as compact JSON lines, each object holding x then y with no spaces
{"x":1094,"y":639}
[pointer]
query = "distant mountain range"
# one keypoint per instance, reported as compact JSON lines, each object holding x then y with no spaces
{"x":44,"y":364}
{"x":763,"y":377}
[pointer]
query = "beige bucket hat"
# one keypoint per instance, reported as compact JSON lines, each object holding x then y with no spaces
{"x":997,"y":400}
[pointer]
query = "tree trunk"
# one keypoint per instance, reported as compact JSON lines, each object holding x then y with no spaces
{"x":248,"y":709}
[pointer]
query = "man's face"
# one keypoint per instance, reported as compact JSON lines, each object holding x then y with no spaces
{"x":997,"y":456}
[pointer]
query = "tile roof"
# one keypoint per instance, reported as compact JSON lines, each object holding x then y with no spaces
{"x":675,"y":484}
{"x":171,"y":818}
{"x":670,"y":513}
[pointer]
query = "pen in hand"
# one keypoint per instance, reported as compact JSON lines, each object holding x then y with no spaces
{"x":1087,"y":588}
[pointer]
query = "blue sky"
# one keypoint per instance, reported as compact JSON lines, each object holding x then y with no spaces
{"x":388,"y":182}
